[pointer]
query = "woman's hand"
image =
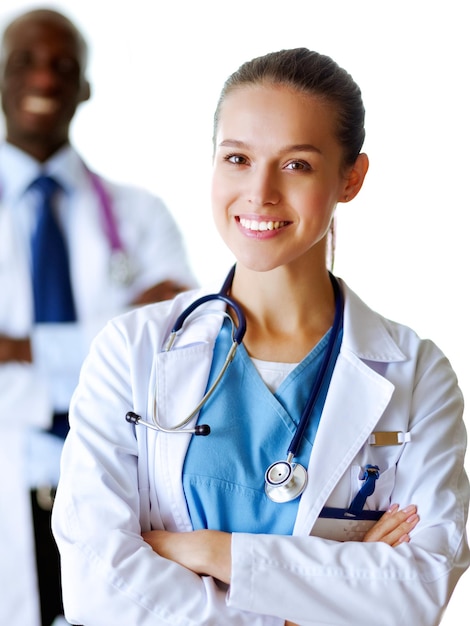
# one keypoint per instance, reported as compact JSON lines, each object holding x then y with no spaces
{"x":208,"y":552}
{"x":205,"y":552}
{"x":394,"y":526}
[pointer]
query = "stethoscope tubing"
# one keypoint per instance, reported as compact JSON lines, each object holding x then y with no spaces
{"x":206,"y":430}
{"x":238,"y":335}
{"x":284,"y":480}
{"x":294,"y":445}
{"x":109,"y":222}
{"x":240,"y":328}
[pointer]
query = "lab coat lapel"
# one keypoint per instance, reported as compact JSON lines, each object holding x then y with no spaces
{"x":357,"y":398}
{"x":181,"y":376}
{"x":349,"y":416}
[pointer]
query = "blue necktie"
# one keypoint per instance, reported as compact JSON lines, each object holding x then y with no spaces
{"x":53,"y":298}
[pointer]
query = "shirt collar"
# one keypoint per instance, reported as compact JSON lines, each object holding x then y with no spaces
{"x":65,"y":165}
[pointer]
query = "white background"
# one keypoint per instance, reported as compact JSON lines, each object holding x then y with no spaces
{"x":156,"y":70}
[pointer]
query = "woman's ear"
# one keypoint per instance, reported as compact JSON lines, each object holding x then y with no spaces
{"x":355,"y":177}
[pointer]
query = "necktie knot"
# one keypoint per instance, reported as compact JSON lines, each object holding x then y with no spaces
{"x":46,"y":186}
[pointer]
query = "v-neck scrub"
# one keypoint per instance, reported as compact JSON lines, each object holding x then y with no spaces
{"x":251,"y":427}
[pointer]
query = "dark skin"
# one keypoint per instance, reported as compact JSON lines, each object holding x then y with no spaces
{"x":42,"y":80}
{"x":42,"y":83}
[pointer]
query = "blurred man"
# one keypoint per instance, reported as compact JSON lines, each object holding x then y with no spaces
{"x":122,"y":247}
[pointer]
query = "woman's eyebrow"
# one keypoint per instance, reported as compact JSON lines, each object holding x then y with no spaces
{"x":297,"y":147}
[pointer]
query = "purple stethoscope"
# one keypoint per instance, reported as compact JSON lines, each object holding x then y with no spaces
{"x":120,"y":268}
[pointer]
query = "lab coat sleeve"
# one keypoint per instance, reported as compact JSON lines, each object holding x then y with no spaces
{"x":351,"y":583}
{"x":58,"y":351}
{"x":153,"y":238}
{"x":109,"y":574}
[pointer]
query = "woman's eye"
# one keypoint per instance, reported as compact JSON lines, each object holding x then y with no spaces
{"x":298,"y":165}
{"x":237,"y":159}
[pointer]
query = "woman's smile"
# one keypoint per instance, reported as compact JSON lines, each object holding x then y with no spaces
{"x":260,"y":225}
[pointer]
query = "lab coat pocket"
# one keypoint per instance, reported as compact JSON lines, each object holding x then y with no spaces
{"x":181,"y":378}
{"x":362,"y":510}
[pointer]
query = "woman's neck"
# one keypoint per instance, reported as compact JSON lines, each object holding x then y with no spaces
{"x":287,"y":312}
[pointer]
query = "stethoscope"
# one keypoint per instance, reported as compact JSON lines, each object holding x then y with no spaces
{"x":284,"y":480}
{"x":120,"y":266}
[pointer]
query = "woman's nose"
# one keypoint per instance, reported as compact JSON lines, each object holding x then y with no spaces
{"x":264,"y":187}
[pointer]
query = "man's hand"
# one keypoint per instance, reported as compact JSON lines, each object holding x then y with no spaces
{"x":15,"y":350}
{"x":165,"y":290}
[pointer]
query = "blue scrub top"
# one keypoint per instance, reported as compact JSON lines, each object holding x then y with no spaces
{"x":223,"y":474}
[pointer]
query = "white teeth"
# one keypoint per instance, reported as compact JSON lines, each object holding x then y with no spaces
{"x":263,"y":225}
{"x":39,"y":105}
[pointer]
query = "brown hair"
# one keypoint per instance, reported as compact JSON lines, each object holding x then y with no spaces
{"x":314,"y":74}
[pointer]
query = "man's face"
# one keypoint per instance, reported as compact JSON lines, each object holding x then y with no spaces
{"x":41,"y":82}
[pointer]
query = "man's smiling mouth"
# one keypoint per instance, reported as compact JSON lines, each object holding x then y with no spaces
{"x":39,"y":105}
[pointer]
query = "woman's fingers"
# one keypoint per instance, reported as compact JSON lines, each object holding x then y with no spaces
{"x":394,"y":526}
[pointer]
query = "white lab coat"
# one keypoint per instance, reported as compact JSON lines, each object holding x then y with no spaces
{"x":118,"y":479}
{"x":30,"y":392}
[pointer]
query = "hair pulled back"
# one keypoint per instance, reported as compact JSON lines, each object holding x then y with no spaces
{"x":314,"y":74}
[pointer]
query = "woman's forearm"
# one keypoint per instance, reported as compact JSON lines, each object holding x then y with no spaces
{"x":205,"y":552}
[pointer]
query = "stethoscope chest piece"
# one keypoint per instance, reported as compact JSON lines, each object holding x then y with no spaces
{"x":120,"y":268}
{"x":285,"y":481}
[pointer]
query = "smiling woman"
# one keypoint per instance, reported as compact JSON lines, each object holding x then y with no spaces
{"x":155,"y":81}
{"x":208,"y":529}
{"x":257,"y":170}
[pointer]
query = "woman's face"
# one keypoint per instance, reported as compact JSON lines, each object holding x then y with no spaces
{"x":277,"y":174}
